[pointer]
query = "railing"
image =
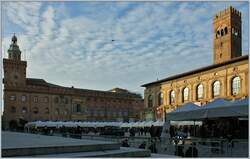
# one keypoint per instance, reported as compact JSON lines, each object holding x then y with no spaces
{"x":205,"y":147}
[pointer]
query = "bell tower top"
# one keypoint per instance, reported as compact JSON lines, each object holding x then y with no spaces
{"x":227,"y":35}
{"x":14,"y":52}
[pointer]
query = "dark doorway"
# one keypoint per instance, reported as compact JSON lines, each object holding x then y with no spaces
{"x":13,"y":125}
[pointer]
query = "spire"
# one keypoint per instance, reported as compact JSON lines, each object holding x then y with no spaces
{"x":14,"y":39}
{"x":14,"y":51}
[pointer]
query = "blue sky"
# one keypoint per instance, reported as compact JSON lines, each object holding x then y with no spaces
{"x":102,"y":45}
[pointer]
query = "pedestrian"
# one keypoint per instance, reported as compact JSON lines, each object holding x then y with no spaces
{"x":179,"y":151}
{"x":143,"y":145}
{"x":125,"y":143}
{"x":192,"y":151}
{"x":152,"y":147}
{"x":151,"y":131}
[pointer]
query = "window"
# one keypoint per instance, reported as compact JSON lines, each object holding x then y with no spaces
{"x":225,"y":30}
{"x":46,"y":99}
{"x":150,"y":101}
{"x":66,"y":112}
{"x":120,"y":113}
{"x":57,"y":111}
{"x":160,"y":98}
{"x":12,"y":97}
{"x":102,"y":113}
{"x":35,"y":110}
{"x":23,"y":98}
{"x":171,"y":97}
{"x":221,"y":32}
{"x":235,"y":85}
{"x":218,"y":33}
{"x":66,"y":100}
{"x":13,"y":109}
{"x":199,"y":91}
{"x":56,"y":99}
{"x":35,"y":99}
{"x":185,"y":94}
{"x":47,"y":110}
{"x":24,"y":110}
{"x":126,"y":113}
{"x":216,"y":88}
{"x":78,"y":108}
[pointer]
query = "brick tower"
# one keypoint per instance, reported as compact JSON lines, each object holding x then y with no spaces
{"x":227,"y":35}
{"x":14,"y":67}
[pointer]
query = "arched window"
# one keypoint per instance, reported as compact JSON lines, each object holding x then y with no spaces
{"x":225,"y":30}
{"x":222,"y":32}
{"x":199,"y":91}
{"x":160,"y":98}
{"x":235,"y":85}
{"x":78,"y":108}
{"x":35,"y":110}
{"x":218,"y":33}
{"x":185,"y":94}
{"x":171,"y":97}
{"x":57,"y":111}
{"x":216,"y":88}
{"x":66,"y":112}
{"x":13,"y":109}
{"x":150,"y":101}
{"x":47,"y":110}
{"x":56,"y":99}
{"x":24,"y":110}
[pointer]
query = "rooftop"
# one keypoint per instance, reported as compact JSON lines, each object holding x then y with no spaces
{"x":241,"y":58}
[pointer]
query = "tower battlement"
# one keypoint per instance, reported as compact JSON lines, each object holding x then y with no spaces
{"x":227,"y":11}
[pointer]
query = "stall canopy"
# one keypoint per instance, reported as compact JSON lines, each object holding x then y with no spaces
{"x":217,"y":108}
{"x":186,"y":112}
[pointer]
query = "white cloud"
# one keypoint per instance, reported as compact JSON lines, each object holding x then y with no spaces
{"x":144,"y":43}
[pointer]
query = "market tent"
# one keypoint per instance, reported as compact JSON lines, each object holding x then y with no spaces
{"x":222,"y":108}
{"x":183,"y":113}
{"x":217,"y":108}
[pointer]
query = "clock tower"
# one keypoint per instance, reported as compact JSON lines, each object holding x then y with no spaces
{"x":14,"y":67}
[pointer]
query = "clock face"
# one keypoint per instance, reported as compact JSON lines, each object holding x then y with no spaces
{"x":15,"y":76}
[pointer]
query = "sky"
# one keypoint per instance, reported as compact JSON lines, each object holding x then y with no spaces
{"x":102,"y":45}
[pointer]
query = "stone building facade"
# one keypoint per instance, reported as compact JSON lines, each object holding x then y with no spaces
{"x":227,"y":78}
{"x":30,"y":99}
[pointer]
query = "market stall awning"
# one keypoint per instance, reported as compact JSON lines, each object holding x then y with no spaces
{"x":183,"y":113}
{"x":217,"y":108}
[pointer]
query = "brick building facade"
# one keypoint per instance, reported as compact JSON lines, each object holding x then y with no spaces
{"x":226,"y":78}
{"x":29,"y":99}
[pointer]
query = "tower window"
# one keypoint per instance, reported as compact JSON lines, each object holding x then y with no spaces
{"x":222,"y":32}
{"x":13,"y":109}
{"x":218,"y":33}
{"x":225,"y":30}
{"x":13,"y":97}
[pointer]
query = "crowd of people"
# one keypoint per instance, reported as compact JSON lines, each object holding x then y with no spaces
{"x":223,"y":128}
